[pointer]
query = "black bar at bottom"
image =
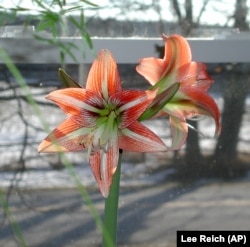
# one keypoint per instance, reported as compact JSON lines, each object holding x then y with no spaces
{"x":213,"y":238}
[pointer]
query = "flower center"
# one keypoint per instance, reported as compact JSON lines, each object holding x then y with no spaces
{"x":104,"y":134}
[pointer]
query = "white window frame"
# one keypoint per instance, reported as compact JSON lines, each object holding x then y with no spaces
{"x":125,"y":50}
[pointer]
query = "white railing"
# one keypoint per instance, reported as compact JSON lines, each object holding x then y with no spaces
{"x":125,"y":50}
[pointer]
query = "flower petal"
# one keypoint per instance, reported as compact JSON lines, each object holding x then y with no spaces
{"x":196,"y":76}
{"x":151,"y":69}
{"x":138,"y":138}
{"x":103,"y":165}
{"x":132,"y":103}
{"x":82,"y":103}
{"x":179,"y":130}
{"x":66,"y":137}
{"x":205,"y":105}
{"x":177,"y":55}
{"x":103,"y":77}
{"x":194,"y":102}
{"x":183,"y":109}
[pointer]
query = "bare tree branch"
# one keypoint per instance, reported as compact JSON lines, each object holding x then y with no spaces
{"x":189,"y":11}
{"x":177,"y":10}
{"x":202,"y":10}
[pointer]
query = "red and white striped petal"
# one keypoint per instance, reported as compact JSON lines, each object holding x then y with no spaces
{"x":131,"y":104}
{"x":66,"y":137}
{"x":138,"y":138}
{"x":82,"y":103}
{"x":103,"y":165}
{"x":103,"y":77}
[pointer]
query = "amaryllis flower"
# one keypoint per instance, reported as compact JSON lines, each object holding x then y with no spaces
{"x":191,"y":98}
{"x":102,"y":118}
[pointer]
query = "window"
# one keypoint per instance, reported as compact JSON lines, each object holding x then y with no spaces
{"x":203,"y":186}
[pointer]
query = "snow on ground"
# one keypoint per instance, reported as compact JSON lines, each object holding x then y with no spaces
{"x":41,"y":172}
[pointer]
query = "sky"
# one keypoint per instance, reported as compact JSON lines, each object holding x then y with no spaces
{"x":216,"y":13}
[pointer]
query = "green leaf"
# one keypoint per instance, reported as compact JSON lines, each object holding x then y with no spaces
{"x":67,"y":80}
{"x":159,"y":102}
{"x":88,"y":40}
{"x":49,"y":20}
{"x":67,"y":48}
{"x":89,"y":3}
{"x":43,"y":5}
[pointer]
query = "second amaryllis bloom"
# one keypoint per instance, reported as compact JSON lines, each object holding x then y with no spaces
{"x":192,"y":82}
{"x":102,"y":118}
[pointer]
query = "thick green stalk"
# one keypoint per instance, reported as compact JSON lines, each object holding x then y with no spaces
{"x":111,"y":209}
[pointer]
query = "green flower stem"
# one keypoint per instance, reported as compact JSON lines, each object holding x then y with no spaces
{"x":111,"y":209}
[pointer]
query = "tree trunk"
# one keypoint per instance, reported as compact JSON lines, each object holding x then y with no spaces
{"x":240,"y":15}
{"x":225,"y":154}
{"x":234,"y":102}
{"x":193,"y":153}
{"x":185,"y":21}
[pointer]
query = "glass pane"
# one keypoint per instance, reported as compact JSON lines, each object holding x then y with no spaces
{"x":203,"y":186}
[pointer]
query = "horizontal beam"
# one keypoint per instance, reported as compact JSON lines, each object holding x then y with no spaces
{"x":125,"y":50}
